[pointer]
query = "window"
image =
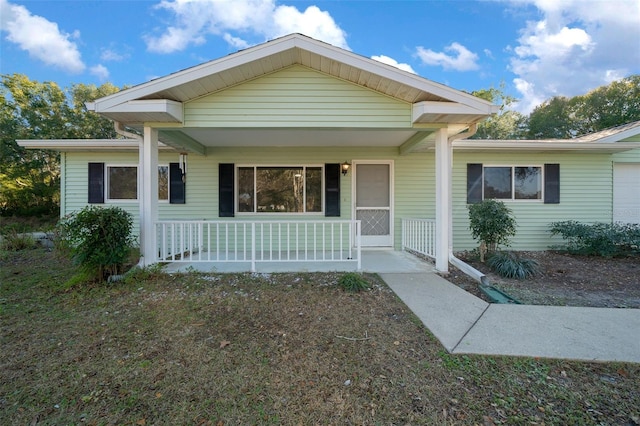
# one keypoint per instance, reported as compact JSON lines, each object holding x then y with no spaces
{"x":512,"y":183}
{"x":163,"y":183}
{"x":269,"y":189}
{"x":122,"y":183}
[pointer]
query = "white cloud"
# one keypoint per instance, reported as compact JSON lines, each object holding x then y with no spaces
{"x":236,"y":42}
{"x":241,"y":23}
{"x":110,"y":55}
{"x":457,"y":58}
{"x":390,"y":61}
{"x":574,"y":47}
{"x":100,"y":71}
{"x":41,"y":38}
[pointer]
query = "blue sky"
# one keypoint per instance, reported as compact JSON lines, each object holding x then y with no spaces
{"x":536,"y":48}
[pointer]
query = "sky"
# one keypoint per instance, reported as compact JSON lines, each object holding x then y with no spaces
{"x":531,"y":49}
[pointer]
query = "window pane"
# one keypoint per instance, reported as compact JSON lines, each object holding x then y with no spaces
{"x":123,"y":183}
{"x":163,"y":182}
{"x":497,"y":182}
{"x":314,"y":189}
{"x":528,"y":183}
{"x":280,"y":189}
{"x":245,"y":189}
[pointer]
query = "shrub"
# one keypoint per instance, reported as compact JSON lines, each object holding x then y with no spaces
{"x":353,"y":282}
{"x":598,"y":239}
{"x":492,"y":223}
{"x":510,"y":265}
{"x":99,"y":239}
{"x":16,"y":241}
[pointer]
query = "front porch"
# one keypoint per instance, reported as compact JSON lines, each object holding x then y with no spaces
{"x":289,"y":246}
{"x":377,"y":261}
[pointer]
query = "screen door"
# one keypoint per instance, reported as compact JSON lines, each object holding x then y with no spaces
{"x":373,"y":203}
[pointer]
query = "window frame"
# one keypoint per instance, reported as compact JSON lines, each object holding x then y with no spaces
{"x":165,"y":201}
{"x":255,"y":166}
{"x":107,"y":185}
{"x":513,"y":186}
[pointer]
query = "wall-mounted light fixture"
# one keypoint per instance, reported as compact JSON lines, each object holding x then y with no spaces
{"x":345,"y":168}
{"x":183,"y":165}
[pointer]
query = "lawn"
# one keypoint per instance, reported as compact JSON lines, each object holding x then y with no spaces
{"x":263,"y":349}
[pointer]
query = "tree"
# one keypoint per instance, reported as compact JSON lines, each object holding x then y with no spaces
{"x":29,"y":179}
{"x":506,"y":124}
{"x":607,"y":106}
{"x":552,"y":120}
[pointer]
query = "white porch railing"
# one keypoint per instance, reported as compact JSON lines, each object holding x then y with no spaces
{"x":419,"y":235}
{"x":259,"y":241}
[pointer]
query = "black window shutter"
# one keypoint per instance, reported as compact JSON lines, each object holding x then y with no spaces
{"x":332,"y":189}
{"x":552,"y":183}
{"x":225,"y":190}
{"x":96,"y":183}
{"x":177,"y":187}
{"x":474,"y":183}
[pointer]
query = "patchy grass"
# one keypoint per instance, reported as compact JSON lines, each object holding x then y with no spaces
{"x":263,"y":349}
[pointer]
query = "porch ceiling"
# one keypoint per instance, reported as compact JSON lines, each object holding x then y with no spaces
{"x":205,"y":138}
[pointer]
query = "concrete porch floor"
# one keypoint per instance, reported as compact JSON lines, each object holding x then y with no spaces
{"x":373,"y":260}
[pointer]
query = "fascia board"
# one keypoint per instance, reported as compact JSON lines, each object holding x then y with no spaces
{"x":171,"y":108}
{"x":621,"y":135}
{"x":68,"y":145}
{"x":434,"y":107}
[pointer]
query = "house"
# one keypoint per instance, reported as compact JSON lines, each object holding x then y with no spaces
{"x":296,"y":150}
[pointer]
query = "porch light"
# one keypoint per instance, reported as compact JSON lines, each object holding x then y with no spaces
{"x":345,"y":168}
{"x":183,"y":165}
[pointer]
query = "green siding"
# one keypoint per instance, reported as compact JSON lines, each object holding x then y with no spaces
{"x":585,"y":195}
{"x":585,"y":186}
{"x":632,"y":156}
{"x":297,"y":97}
{"x":414,"y":181}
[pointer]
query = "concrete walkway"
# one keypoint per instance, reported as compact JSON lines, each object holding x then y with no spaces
{"x":465,"y":324}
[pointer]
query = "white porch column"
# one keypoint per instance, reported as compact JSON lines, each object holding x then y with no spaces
{"x":443,"y":199}
{"x":148,"y":195}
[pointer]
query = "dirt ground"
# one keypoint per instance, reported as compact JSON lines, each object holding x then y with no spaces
{"x":565,"y":280}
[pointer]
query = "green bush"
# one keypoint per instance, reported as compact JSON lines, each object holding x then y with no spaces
{"x":16,"y":241}
{"x":353,"y":282}
{"x":99,"y":239}
{"x":598,"y":239}
{"x":510,"y":265}
{"x":492,"y":223}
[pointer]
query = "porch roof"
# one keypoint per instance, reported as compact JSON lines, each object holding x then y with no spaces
{"x":160,"y":102}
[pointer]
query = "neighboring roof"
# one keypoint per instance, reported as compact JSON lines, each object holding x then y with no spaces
{"x":607,"y":140}
{"x":275,"y":55}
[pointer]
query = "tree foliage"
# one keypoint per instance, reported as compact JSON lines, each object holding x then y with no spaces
{"x":30,"y":179}
{"x":507,"y":123}
{"x":561,"y":117}
{"x":607,"y":106}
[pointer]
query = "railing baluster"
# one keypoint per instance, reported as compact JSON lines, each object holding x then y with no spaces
{"x":257,"y":241}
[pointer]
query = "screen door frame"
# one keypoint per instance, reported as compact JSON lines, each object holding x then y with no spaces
{"x":374,"y":240}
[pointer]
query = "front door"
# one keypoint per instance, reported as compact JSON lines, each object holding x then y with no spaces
{"x":373,"y":202}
